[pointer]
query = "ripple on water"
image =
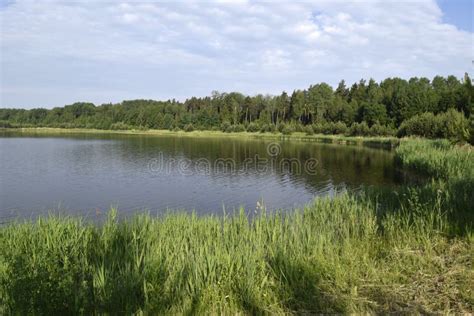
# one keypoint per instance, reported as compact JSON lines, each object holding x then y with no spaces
{"x":87,"y":175}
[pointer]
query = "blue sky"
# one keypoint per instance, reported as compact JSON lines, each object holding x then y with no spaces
{"x":58,"y":52}
{"x":458,"y":12}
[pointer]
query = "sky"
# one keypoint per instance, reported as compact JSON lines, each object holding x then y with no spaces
{"x":59,"y":52}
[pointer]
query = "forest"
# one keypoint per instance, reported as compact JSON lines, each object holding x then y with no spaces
{"x":439,"y":108}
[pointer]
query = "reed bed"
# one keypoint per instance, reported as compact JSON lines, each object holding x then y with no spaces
{"x":332,"y":256}
{"x":437,"y":158}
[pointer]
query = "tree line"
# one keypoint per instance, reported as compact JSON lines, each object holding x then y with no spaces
{"x":441,"y":107}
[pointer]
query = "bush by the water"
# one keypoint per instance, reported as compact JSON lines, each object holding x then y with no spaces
{"x":120,"y":126}
{"x":226,"y":127}
{"x":359,"y":129}
{"x":253,"y":127}
{"x":381,"y":130}
{"x":229,"y":128}
{"x":452,"y":125}
{"x":288,"y":129}
{"x":308,"y":130}
{"x":189,"y":128}
{"x":238,"y":128}
{"x":5,"y":124}
{"x":268,"y":128}
{"x":329,"y":128}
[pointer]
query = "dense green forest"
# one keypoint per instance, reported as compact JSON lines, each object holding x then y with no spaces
{"x":442,"y":107}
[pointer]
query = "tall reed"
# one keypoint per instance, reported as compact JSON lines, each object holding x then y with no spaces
{"x":332,"y":256}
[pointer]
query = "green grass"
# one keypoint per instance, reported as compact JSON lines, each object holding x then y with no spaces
{"x":437,"y":158}
{"x":333,"y":256}
{"x":378,"y":252}
{"x":451,"y":168}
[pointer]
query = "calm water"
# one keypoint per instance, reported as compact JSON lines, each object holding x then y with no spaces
{"x":87,"y":174}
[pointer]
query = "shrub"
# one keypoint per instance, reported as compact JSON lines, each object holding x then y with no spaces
{"x":268,"y":128}
{"x":280,"y":127}
{"x":226,"y":127}
{"x":380,"y":130}
{"x":69,"y":125}
{"x":426,"y":125}
{"x":5,"y":124}
{"x":330,"y":128}
{"x":454,"y":125}
{"x":287,"y":130}
{"x":339,"y":128}
{"x":308,"y":130}
{"x":120,"y":126}
{"x":253,"y":127}
{"x":359,"y":129}
{"x":299,"y":128}
{"x":238,"y":128}
{"x":188,"y":127}
{"x":451,"y":124}
{"x":327,"y":128}
{"x":317,"y":128}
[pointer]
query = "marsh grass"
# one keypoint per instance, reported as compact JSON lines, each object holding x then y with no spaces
{"x":451,"y":168}
{"x":332,"y":256}
{"x":438,"y":158}
{"x":377,"y":252}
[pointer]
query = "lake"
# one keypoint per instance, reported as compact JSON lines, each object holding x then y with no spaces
{"x":86,"y":174}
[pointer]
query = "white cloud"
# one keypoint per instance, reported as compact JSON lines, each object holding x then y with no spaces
{"x":84,"y":50}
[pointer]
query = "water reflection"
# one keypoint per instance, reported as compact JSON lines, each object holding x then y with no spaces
{"x":87,"y":173}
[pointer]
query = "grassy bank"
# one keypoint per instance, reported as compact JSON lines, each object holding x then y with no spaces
{"x":439,"y":158}
{"x":452,"y":177}
{"x":383,"y":142}
{"x":380,"y":252}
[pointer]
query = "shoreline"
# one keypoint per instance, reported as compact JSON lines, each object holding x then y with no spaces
{"x":402,"y":251}
{"x":376,"y":142}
